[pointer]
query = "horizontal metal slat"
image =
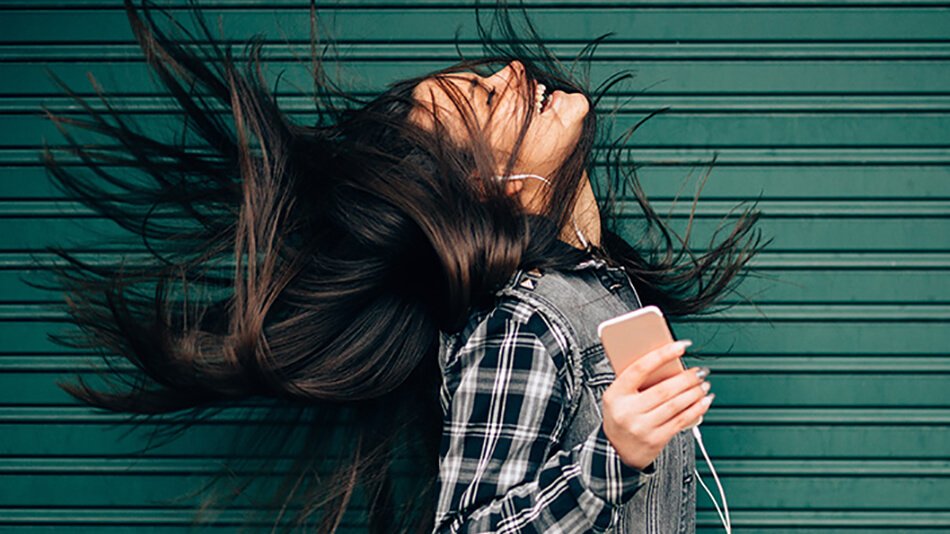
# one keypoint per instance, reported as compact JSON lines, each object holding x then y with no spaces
{"x":717,"y":416}
{"x":661,"y":179}
{"x":745,"y":389}
{"x":766,"y":260}
{"x":914,"y":312}
{"x":771,"y":158}
{"x":608,"y":51}
{"x":721,"y":129}
{"x":625,"y":101}
{"x":350,"y":22}
{"x":144,"y":465}
{"x":923,"y":441}
{"x":71,"y":518}
{"x":706,"y":208}
{"x":908,"y":493}
{"x":272,"y":4}
{"x":732,"y":75}
{"x":765,"y":364}
{"x":896,"y":284}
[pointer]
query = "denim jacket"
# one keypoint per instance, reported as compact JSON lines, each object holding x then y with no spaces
{"x":575,"y":301}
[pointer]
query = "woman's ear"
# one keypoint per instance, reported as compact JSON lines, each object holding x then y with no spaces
{"x":513,"y":187}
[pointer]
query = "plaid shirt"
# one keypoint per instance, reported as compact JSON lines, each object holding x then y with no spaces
{"x":504,"y":399}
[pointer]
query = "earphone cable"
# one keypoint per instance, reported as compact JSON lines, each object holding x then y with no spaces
{"x":726,"y":520}
{"x":577,"y":231}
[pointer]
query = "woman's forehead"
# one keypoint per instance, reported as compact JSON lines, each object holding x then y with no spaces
{"x":431,"y":93}
{"x":433,"y":89}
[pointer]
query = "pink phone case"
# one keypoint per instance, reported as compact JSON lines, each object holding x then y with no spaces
{"x":634,"y":334}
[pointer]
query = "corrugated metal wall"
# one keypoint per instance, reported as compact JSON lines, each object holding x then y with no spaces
{"x":832,"y":409}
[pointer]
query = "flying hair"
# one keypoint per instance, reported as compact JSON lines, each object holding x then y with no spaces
{"x":303,"y":272}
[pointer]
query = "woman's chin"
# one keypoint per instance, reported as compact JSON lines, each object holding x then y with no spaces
{"x":579,"y":105}
{"x":569,"y":108}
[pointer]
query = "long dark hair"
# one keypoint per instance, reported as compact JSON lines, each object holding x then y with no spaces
{"x":305,"y":270}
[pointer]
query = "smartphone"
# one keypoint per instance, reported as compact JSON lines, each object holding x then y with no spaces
{"x":633,"y":335}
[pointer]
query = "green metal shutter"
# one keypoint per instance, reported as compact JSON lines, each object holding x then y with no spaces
{"x":832,"y":409}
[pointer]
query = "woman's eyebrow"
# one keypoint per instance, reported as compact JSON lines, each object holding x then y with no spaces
{"x":472,"y":84}
{"x":475,"y":82}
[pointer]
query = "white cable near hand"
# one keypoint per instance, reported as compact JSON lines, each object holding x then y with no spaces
{"x":726,"y":521}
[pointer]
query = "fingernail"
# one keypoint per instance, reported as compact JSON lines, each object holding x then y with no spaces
{"x":685,"y":342}
{"x":709,"y":398}
{"x":702,"y":372}
{"x":706,"y":386}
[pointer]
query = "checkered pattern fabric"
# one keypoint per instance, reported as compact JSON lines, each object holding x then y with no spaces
{"x":501,"y":469}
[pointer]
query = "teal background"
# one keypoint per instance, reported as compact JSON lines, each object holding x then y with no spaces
{"x":832,"y":404}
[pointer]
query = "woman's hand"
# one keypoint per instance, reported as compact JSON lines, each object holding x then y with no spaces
{"x":640,"y":423}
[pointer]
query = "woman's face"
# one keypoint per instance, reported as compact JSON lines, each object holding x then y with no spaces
{"x":498,"y":106}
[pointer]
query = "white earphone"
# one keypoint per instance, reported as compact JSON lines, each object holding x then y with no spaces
{"x":577,"y":231}
{"x":726,"y":520}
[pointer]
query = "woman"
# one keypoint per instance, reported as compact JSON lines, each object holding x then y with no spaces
{"x":514,"y":455}
{"x":411,"y":277}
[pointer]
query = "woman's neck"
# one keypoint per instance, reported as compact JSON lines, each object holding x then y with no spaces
{"x":586,"y":216}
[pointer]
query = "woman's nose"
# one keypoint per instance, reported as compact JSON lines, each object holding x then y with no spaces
{"x":516,"y":69}
{"x":511,"y":77}
{"x":517,"y":66}
{"x":511,"y":72}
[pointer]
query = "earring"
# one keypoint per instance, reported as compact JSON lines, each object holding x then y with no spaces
{"x":577,"y":231}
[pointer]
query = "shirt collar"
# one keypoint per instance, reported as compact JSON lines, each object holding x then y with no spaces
{"x":590,"y":258}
